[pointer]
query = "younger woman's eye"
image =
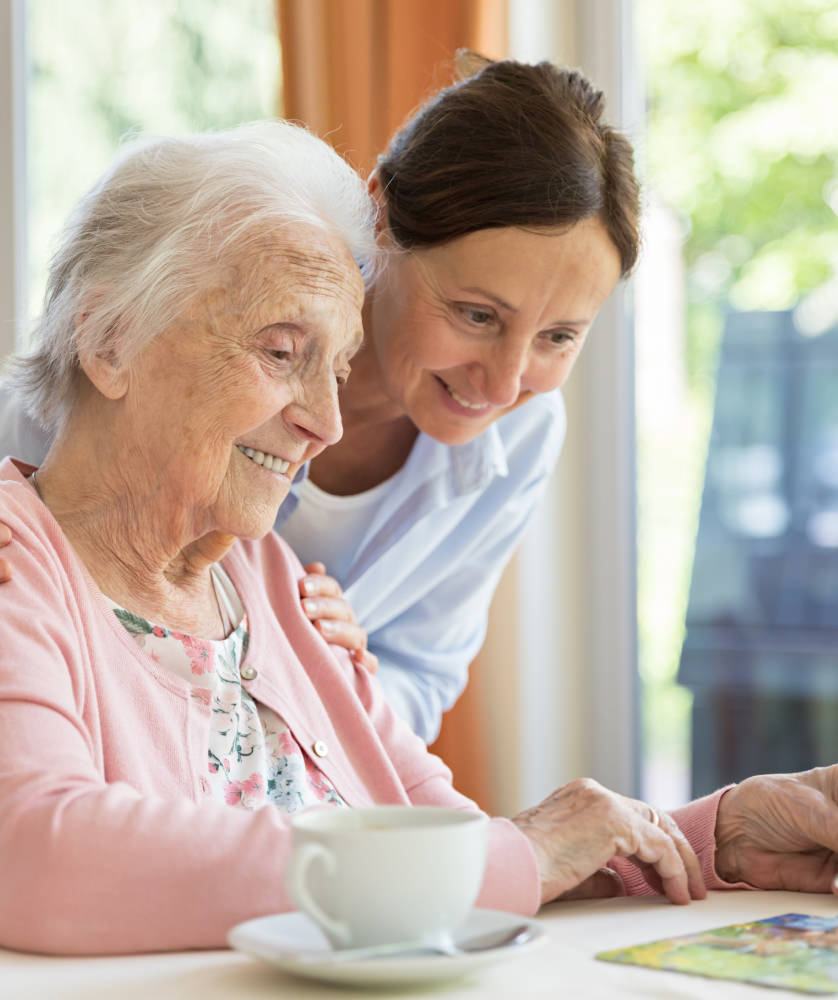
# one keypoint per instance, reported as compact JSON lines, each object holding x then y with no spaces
{"x":561,"y":338}
{"x":342,"y":378}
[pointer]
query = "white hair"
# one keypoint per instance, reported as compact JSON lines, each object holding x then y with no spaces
{"x":162,"y":220}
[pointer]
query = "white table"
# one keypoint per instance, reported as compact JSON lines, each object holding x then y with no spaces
{"x":564,"y":968}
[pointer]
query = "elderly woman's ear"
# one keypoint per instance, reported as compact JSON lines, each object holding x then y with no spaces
{"x":101,"y":362}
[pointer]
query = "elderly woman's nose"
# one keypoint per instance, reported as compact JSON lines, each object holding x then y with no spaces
{"x":317,"y":416}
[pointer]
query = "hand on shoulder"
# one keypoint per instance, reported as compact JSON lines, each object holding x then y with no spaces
{"x":331,"y":614}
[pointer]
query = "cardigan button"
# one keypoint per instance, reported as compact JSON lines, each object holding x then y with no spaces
{"x":320,"y":749}
{"x":249,"y":673}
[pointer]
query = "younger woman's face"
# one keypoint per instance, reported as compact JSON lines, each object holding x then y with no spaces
{"x":469,"y":330}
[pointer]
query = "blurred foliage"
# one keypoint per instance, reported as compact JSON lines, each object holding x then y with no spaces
{"x":102,"y":69}
{"x":742,"y":142}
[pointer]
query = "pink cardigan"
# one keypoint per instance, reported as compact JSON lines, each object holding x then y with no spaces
{"x":109,"y":839}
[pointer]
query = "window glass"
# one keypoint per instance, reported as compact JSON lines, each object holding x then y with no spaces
{"x":102,"y":69}
{"x":737,"y":382}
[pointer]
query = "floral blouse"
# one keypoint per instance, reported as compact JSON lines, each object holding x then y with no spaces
{"x":252,"y":757}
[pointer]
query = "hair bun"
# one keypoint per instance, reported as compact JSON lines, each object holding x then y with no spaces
{"x":468,"y":63}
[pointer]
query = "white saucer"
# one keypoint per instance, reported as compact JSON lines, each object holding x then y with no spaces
{"x":295,"y":943}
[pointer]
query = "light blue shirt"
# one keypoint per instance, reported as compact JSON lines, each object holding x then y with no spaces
{"x":424,"y":570}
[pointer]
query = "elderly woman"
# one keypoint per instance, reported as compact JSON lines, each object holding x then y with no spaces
{"x":165,"y":703}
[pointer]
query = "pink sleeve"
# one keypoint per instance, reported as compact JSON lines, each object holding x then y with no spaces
{"x":91,"y":865}
{"x":697,"y":821}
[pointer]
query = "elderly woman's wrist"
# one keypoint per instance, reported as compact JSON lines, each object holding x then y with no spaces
{"x":530,"y":830}
{"x":726,"y":867}
{"x":725,"y":859}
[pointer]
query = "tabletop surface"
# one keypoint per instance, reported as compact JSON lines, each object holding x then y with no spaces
{"x":564,"y":967}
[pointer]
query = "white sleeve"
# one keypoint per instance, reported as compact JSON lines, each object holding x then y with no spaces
{"x":20,"y":435}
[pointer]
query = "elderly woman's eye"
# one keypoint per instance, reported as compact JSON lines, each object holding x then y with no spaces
{"x":476,"y":315}
{"x":279,"y":343}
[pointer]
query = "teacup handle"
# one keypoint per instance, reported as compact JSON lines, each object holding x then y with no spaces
{"x":301,"y":859}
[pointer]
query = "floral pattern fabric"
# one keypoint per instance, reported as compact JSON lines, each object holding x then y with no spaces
{"x":253,"y":758}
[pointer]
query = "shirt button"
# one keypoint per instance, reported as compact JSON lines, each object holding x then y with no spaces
{"x":205,"y":786}
{"x":320,"y":749}
{"x":248,"y":673}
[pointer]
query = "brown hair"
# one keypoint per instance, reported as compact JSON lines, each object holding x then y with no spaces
{"x":512,"y":145}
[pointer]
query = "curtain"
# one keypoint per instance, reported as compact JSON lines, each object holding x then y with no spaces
{"x":352,"y":70}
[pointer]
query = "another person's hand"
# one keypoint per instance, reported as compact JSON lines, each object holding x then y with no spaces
{"x":577,"y":829}
{"x":332,"y":615}
{"x":780,"y":831}
{"x":5,"y":567}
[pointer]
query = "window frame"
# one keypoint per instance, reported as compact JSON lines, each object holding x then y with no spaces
{"x":13,"y":241}
{"x":576,"y":571}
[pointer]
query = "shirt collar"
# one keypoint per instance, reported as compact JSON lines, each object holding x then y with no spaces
{"x":475,"y":463}
{"x":468,"y":467}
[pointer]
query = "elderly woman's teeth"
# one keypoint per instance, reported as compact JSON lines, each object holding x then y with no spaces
{"x":270,"y":462}
{"x":464,"y":402}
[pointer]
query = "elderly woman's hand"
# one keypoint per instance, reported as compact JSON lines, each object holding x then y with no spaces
{"x":5,"y":538}
{"x":580,"y":826}
{"x":780,"y":831}
{"x":332,"y":615}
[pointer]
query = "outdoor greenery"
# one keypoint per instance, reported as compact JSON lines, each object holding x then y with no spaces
{"x":742,"y":146}
{"x":743,"y":140}
{"x":103,"y":69}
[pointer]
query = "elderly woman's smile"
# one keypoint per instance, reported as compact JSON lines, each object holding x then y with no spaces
{"x":222,"y":409}
{"x":272,"y":463}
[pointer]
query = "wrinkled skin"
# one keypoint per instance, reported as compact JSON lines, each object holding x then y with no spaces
{"x":322,"y":600}
{"x":780,"y":831}
{"x":773,"y":831}
{"x":579,"y":827}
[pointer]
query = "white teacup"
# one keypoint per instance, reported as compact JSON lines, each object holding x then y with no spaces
{"x":387,"y":873}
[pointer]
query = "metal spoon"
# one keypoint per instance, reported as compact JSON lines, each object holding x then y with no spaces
{"x":507,"y":937}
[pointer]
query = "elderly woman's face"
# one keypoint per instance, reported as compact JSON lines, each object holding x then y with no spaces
{"x":242,"y":390}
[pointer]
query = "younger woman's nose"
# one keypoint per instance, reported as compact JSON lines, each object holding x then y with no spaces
{"x":502,"y":373}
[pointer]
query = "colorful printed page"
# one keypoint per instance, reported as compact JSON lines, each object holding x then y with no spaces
{"x":793,"y":951}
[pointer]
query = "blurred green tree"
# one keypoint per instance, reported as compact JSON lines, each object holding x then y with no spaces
{"x":741,"y":144}
{"x":103,"y":69}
